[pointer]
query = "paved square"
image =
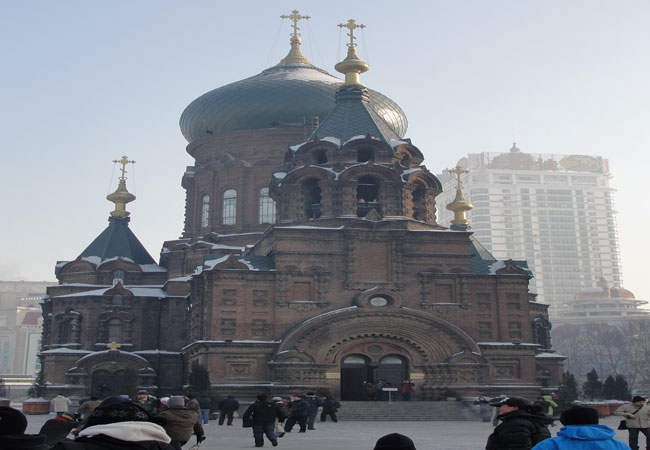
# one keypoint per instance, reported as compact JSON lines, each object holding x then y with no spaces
{"x":453,"y":435}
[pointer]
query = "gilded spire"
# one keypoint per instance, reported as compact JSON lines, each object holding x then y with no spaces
{"x":295,"y":56}
{"x":121,"y":196}
{"x":352,"y":66}
{"x":459,"y":206}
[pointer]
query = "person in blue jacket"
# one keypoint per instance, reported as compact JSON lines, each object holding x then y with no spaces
{"x":582,"y":432}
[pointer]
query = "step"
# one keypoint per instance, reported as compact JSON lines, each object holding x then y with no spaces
{"x":412,"y":411}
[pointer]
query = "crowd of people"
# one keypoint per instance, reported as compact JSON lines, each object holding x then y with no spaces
{"x":169,"y":423}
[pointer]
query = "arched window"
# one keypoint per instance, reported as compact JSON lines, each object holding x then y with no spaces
{"x":367,"y":195}
{"x":65,"y":332}
{"x":266,"y":207}
{"x":119,"y":274}
{"x":320,"y":156}
{"x":205,"y":211}
{"x":312,"y":196}
{"x":114,"y":330}
{"x":364,"y":155}
{"x":419,"y":202}
{"x":229,"y":209}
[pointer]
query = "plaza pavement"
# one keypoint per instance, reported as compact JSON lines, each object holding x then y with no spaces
{"x":452,"y":435}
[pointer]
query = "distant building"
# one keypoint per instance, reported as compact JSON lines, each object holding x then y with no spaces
{"x":603,"y":304}
{"x":20,"y":326}
{"x":555,"y":211}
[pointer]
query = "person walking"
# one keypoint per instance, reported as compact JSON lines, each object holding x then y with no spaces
{"x":227,"y":408}
{"x":263,"y":415}
{"x":519,"y":429}
{"x":205,"y":403}
{"x":283,"y":413}
{"x":146,"y":402}
{"x":61,"y":404}
{"x":330,"y":406}
{"x":314,"y":403}
{"x":485,"y":411}
{"x":637,"y":420}
{"x":181,"y":422}
{"x":582,"y":432}
{"x":298,"y":411}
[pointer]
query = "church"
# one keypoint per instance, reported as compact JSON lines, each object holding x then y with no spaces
{"x":310,"y":259}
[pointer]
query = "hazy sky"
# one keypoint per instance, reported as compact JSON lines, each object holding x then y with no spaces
{"x":85,"y":82}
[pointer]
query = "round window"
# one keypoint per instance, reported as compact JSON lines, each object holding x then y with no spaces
{"x":378,"y":301}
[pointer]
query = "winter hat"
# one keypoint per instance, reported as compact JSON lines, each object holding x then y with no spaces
{"x":394,"y":441}
{"x":277,"y":399}
{"x":12,"y":421}
{"x":117,"y":412}
{"x":262,"y":397}
{"x":176,"y":400}
{"x":517,"y":402}
{"x":143,"y":392}
{"x":638,"y":398}
{"x":579,"y":415}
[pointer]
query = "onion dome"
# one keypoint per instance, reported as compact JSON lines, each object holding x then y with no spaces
{"x":289,"y":94}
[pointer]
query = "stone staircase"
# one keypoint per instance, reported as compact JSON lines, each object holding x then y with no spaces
{"x":413,"y":411}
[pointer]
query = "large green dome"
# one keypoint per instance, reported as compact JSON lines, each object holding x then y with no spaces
{"x":288,"y":94}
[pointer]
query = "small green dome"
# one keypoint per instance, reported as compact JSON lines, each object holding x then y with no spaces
{"x":285,"y":95}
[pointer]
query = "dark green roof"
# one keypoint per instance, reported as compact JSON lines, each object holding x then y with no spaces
{"x":481,"y":258}
{"x":281,"y":96}
{"x":353,"y":116}
{"x":117,"y":240}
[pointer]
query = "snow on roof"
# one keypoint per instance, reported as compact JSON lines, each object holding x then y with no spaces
{"x":185,"y":278}
{"x":396,"y":143}
{"x":327,"y":313}
{"x":280,"y":175}
{"x":497,"y":265}
{"x":234,"y":341}
{"x":309,"y":227}
{"x":361,"y":136}
{"x":136,"y":291}
{"x":550,"y":355}
{"x":95,"y":260}
{"x":65,"y":350}
{"x":156,"y":352}
{"x":152,"y":268}
{"x":528,"y":344}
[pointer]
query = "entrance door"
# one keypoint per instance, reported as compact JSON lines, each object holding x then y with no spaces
{"x":354,"y":374}
{"x":108,"y":384}
{"x":392,"y":370}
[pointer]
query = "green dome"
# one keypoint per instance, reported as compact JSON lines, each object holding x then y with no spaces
{"x":282,"y":96}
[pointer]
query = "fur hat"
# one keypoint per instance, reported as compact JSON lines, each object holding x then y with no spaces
{"x":638,"y":398}
{"x":176,"y":400}
{"x":12,"y":421}
{"x":394,"y":441}
{"x":579,"y":415}
{"x":142,"y":392}
{"x":117,"y":412}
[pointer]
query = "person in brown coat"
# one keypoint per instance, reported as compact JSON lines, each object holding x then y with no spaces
{"x":181,"y":422}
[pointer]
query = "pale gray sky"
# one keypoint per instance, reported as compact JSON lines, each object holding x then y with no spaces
{"x":85,"y":82}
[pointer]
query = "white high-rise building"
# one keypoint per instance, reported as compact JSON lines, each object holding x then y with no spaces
{"x":555,"y":211}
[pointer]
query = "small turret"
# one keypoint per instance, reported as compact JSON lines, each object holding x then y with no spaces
{"x":459,"y":206}
{"x":121,"y":196}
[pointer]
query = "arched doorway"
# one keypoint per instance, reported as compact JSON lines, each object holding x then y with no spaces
{"x":392,"y":371}
{"x":109,"y":384}
{"x":355,"y":372}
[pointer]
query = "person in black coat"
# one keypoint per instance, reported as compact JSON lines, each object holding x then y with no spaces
{"x":227,"y":408}
{"x":298,"y":411}
{"x":263,"y":414}
{"x":57,"y":429}
{"x":519,"y":428}
{"x":12,"y":432}
{"x":330,"y":406}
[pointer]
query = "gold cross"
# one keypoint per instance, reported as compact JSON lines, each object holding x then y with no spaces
{"x":113,"y":345}
{"x":351,"y":25}
{"x":124,"y":161}
{"x":458,"y":171}
{"x":295,"y":17}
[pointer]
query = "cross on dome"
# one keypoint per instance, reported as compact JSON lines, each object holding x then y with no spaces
{"x":351,"y":25}
{"x":295,"y":17}
{"x":124,"y":161}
